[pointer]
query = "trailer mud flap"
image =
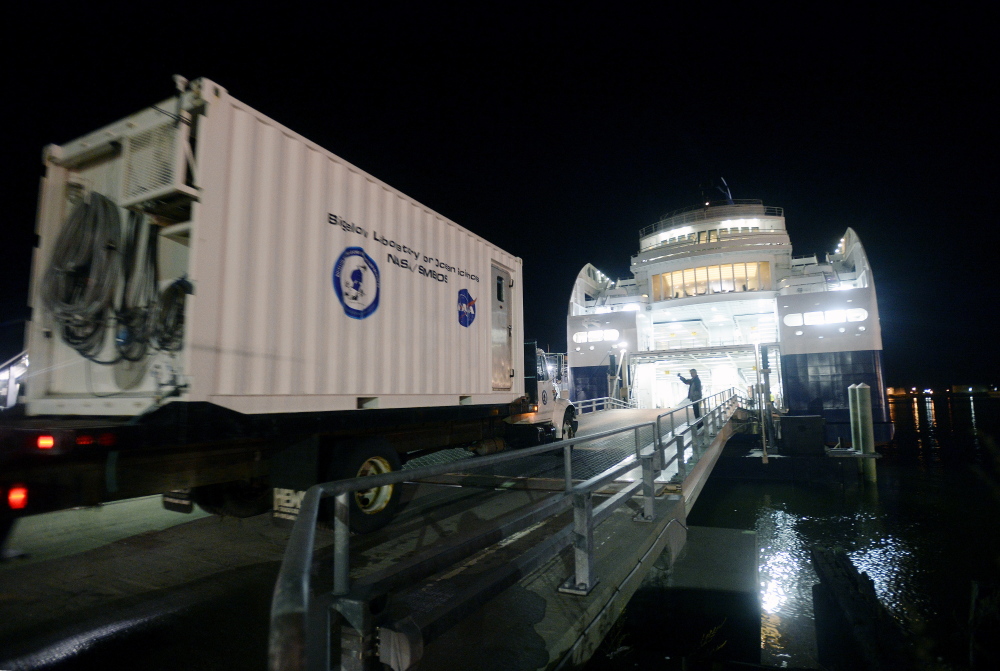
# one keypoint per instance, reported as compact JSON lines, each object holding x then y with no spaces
{"x":287,"y":504}
{"x":292,"y":472}
{"x":179,"y":501}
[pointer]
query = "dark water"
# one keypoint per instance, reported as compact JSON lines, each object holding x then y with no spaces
{"x":927,"y":531}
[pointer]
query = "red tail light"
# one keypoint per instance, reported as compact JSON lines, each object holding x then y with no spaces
{"x":17,"y":497}
{"x":46,"y":442}
{"x":84,"y":440}
{"x":106,"y":439}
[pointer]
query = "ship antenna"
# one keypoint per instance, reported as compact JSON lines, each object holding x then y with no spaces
{"x":725,"y":192}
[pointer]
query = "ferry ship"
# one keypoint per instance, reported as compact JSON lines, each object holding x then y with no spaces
{"x":717,"y":288}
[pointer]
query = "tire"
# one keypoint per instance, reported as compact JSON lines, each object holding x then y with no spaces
{"x":209,"y":498}
{"x":567,"y":425}
{"x":243,"y":498}
{"x":247,"y":498}
{"x":370,"y":509}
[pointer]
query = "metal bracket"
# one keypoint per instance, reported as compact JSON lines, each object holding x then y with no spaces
{"x":571,"y":586}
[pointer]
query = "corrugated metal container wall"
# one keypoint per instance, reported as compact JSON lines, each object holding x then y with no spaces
{"x":316,"y":287}
{"x":321,"y":288}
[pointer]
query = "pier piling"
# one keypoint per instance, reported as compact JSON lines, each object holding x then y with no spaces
{"x":862,"y":429}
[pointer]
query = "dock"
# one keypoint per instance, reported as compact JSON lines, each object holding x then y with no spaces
{"x":203,"y":588}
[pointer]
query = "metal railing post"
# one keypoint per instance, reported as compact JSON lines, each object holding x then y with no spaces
{"x":658,"y":445}
{"x":568,"y":465}
{"x":342,"y":544}
{"x":582,"y":580}
{"x":647,"y":489}
{"x":583,"y":543}
{"x":681,"y":466}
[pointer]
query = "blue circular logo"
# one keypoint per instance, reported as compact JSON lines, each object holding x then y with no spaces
{"x":466,"y":308}
{"x":545,"y":397}
{"x":356,"y":283}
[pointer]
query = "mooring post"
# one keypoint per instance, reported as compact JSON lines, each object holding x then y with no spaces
{"x":852,"y":402}
{"x":867,"y":429}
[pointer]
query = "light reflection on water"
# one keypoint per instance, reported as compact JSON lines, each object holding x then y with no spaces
{"x":787,"y":576}
{"x":912,"y":534}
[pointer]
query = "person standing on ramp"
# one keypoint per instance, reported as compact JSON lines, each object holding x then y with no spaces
{"x":694,"y":392}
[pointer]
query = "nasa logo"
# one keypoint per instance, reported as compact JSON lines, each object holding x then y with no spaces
{"x":356,"y":283}
{"x":545,"y":397}
{"x":466,"y":308}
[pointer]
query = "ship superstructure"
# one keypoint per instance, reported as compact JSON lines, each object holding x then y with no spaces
{"x":717,"y":288}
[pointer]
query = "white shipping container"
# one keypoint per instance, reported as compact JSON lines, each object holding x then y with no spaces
{"x":315,"y":286}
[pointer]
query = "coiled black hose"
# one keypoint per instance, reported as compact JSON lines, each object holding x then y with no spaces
{"x":93,"y":266}
{"x":169,"y":320}
{"x":79,"y":286}
{"x":140,"y":292}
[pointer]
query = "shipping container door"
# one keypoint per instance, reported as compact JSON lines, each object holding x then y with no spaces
{"x":501,"y":329}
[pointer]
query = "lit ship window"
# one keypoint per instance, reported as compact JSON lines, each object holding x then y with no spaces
{"x":828,"y":317}
{"x":836,"y":316}
{"x":610,"y":335}
{"x":721,"y":279}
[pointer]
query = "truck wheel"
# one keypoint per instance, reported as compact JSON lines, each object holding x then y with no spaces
{"x":244,"y":498}
{"x":247,"y":498}
{"x":371,"y":509}
{"x":567,"y":426}
{"x":209,"y":498}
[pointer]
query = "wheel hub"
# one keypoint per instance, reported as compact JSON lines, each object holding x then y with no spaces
{"x":371,"y":501}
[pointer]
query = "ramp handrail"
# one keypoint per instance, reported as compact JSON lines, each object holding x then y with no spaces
{"x":605,"y":403}
{"x":290,"y":603}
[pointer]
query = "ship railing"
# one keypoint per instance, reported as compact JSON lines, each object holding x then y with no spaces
{"x":303,"y":625}
{"x":679,"y":246}
{"x":739,"y":208}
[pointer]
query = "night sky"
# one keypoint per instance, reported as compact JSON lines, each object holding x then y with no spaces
{"x":559,"y":134}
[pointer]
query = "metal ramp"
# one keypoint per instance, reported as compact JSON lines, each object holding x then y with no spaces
{"x":388,"y":598}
